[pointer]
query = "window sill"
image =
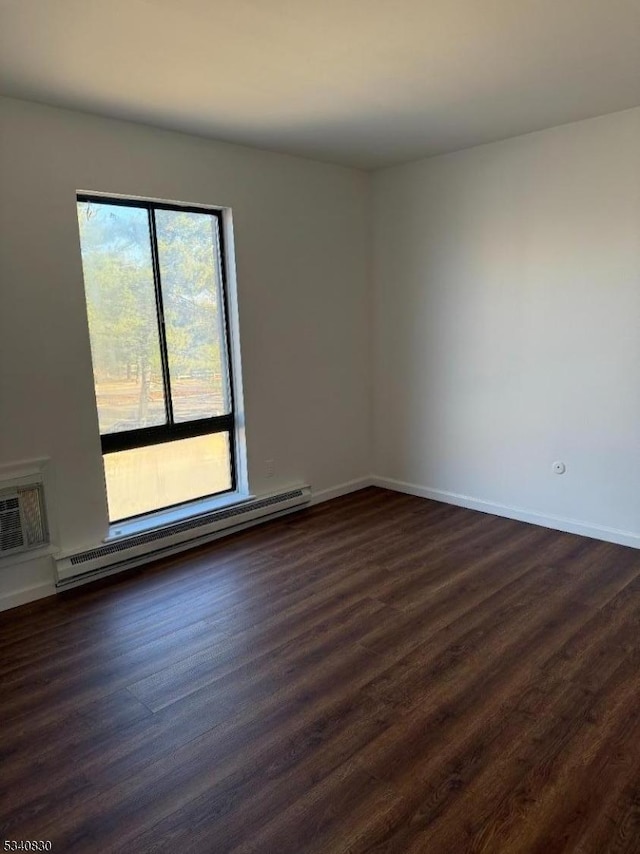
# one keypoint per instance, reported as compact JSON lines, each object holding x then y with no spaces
{"x":162,"y":518}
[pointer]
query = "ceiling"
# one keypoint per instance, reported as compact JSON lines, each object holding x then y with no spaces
{"x":366,"y":83}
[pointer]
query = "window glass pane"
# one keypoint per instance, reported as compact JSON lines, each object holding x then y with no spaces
{"x":151,"y":478}
{"x":194,"y":313}
{"x":123,"y":325}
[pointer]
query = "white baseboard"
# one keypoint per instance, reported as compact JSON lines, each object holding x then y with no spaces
{"x":26,"y":594}
{"x":571,"y":526}
{"x":341,"y":489}
{"x":557,"y":523}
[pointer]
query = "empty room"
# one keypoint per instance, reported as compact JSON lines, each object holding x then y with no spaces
{"x":320,"y":426}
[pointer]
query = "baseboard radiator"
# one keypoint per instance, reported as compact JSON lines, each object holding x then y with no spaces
{"x":127,"y":552}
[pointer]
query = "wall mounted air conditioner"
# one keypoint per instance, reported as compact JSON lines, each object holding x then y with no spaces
{"x":23,"y":521}
{"x":134,"y":550}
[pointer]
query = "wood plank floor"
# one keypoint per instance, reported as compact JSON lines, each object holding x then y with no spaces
{"x":378,"y":674}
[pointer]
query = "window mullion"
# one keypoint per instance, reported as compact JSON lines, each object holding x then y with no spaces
{"x":162,"y":332}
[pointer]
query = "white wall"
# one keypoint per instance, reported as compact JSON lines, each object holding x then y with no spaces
{"x":507,"y":326}
{"x":302,"y":264}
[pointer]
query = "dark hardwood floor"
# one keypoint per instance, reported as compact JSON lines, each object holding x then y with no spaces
{"x":378,"y":674}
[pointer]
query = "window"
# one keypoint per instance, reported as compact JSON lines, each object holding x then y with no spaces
{"x":154,"y":278}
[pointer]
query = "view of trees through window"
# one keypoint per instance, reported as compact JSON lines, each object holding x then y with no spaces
{"x":123,"y":322}
{"x":156,"y":312}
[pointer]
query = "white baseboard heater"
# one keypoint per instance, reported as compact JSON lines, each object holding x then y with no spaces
{"x":134,"y":550}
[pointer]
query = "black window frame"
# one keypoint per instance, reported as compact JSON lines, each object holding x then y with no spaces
{"x":171,"y":431}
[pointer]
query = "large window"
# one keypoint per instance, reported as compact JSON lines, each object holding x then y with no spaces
{"x":154,"y":279}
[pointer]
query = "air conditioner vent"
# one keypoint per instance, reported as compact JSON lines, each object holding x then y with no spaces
{"x":11,"y":536}
{"x":22,"y":519}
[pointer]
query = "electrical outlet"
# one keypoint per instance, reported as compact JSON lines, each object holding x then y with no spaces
{"x":269,"y":467}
